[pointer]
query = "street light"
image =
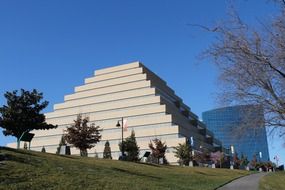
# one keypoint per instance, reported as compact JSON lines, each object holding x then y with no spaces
{"x":260,"y":156}
{"x":232,"y":149}
{"x":119,"y":125}
{"x":233,"y":161}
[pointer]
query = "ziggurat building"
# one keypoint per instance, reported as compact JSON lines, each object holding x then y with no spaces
{"x":131,"y":91}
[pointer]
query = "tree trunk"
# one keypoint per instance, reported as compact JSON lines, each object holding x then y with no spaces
{"x":83,"y":153}
{"x":18,"y":143}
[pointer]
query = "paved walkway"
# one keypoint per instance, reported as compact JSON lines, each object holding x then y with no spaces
{"x":249,"y":182}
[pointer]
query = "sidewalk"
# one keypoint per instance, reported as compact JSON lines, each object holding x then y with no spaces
{"x":249,"y":182}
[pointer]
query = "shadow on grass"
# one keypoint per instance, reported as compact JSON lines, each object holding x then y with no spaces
{"x":154,"y":165}
{"x":70,"y":157}
{"x":149,"y":164}
{"x":136,"y":174}
{"x":6,"y":180}
{"x":19,"y":151}
{"x":35,"y":153}
{"x":21,"y":156}
{"x":205,"y":173}
{"x":29,"y":160}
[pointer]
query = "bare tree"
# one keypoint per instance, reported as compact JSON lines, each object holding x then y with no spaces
{"x":252,"y":65}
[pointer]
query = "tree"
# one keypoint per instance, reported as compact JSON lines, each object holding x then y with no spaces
{"x":236,"y":161}
{"x":43,"y":149}
{"x":253,"y":162}
{"x":131,"y":148}
{"x":107,"y":151}
{"x":96,"y":154}
{"x":22,"y":113}
{"x":217,"y":157}
{"x":243,"y":161}
{"x":202,"y":156}
{"x":82,"y":136}
{"x":184,"y":153}
{"x":158,"y":149}
{"x":252,"y":65}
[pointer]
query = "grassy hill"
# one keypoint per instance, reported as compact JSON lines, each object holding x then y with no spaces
{"x":273,"y":181}
{"x":32,"y":170}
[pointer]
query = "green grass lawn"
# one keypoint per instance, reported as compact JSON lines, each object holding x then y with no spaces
{"x":33,"y":170}
{"x":273,"y":181}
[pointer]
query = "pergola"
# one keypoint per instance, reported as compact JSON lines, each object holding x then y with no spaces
{"x":27,"y":137}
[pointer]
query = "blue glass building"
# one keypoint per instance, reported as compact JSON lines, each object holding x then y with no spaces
{"x":240,"y":126}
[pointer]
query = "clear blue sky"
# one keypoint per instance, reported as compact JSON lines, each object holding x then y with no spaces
{"x":53,"y":45}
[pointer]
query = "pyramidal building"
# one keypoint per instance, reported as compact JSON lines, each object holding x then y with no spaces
{"x":130,"y":91}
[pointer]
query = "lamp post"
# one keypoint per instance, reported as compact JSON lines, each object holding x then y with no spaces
{"x":192,"y":151}
{"x":233,"y":162}
{"x":260,"y":156}
{"x":119,"y":125}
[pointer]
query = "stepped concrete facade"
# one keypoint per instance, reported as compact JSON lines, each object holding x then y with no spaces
{"x":133,"y":92}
